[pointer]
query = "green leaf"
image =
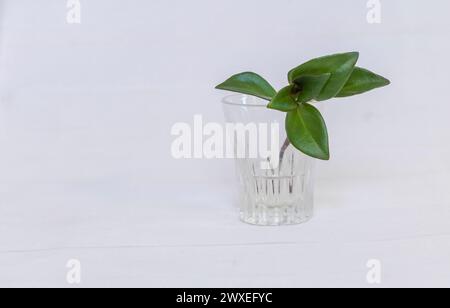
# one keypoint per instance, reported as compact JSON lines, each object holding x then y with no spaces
{"x":249,"y":83}
{"x":362,"y":81}
{"x":284,"y":100}
{"x":311,"y":86}
{"x":307,"y":132}
{"x":340,"y":66}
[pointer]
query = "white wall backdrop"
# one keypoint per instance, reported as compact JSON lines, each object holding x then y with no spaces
{"x":86,"y":112}
{"x":159,"y":60}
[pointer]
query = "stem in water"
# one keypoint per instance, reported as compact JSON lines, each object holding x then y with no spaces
{"x":283,"y":150}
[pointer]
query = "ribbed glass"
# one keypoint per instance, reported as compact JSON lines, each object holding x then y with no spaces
{"x":271,"y":196}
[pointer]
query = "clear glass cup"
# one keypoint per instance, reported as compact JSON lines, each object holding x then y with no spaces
{"x":274,"y":190}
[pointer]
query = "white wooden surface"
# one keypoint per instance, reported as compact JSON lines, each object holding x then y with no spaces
{"x":133,"y":236}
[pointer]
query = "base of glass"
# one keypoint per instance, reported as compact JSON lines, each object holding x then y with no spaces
{"x":276,"y":216}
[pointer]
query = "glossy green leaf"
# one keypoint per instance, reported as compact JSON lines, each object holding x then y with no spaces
{"x":249,"y":83}
{"x":311,"y":86}
{"x":284,"y":100}
{"x":362,"y":81}
{"x":340,"y":66}
{"x":307,"y":131}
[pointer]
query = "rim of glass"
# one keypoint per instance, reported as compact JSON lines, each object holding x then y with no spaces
{"x":236,"y":100}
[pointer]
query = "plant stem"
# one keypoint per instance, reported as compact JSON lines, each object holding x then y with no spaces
{"x":283,"y":150}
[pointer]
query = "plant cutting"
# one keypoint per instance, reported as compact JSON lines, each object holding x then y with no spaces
{"x":318,"y":80}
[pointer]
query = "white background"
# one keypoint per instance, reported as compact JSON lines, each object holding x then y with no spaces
{"x":85,"y":165}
